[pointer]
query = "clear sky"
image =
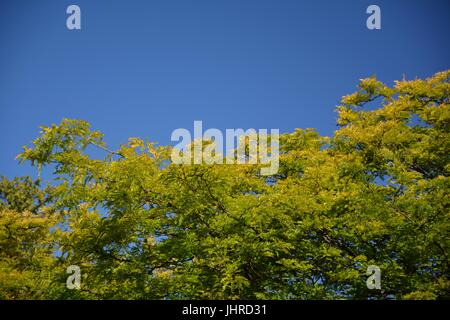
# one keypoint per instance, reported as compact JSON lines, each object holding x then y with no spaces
{"x":146,"y":67}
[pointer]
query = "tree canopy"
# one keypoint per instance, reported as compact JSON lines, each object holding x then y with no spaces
{"x":141,"y":227}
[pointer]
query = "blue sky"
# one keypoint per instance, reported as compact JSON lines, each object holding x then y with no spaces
{"x":141,"y":68}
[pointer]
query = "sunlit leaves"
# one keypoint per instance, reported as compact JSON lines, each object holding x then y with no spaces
{"x":141,"y":227}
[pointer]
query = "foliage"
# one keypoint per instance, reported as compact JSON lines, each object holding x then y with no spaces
{"x":139,"y":227}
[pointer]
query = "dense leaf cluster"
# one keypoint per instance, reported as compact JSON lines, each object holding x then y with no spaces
{"x":139,"y":227}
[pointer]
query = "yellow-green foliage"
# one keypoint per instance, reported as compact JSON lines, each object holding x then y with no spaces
{"x":139,"y":227}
